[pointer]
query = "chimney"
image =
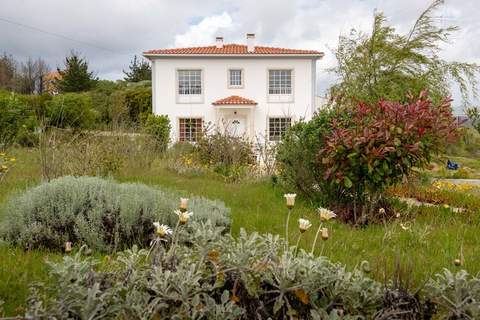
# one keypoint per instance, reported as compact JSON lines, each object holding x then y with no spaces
{"x":250,"y":42}
{"x":219,"y":42}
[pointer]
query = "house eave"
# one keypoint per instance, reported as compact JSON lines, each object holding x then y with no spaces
{"x":248,"y":55}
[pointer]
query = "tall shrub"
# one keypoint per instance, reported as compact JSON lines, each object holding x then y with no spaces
{"x":71,"y":110}
{"x":105,"y":215}
{"x":159,"y":128}
{"x":138,"y":102}
{"x":17,"y":120}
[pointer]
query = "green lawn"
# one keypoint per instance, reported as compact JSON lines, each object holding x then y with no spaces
{"x":433,"y":239}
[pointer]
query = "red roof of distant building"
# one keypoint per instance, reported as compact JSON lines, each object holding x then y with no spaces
{"x":234,"y":100}
{"x":233,"y":49}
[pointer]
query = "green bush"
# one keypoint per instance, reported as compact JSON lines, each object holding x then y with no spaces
{"x":108,"y":100}
{"x":297,"y":157}
{"x":105,"y":215}
{"x":17,"y":120}
{"x":71,"y":110}
{"x":138,"y":102}
{"x":159,"y":127}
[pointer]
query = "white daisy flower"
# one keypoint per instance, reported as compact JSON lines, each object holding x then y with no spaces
{"x":183,"y":216}
{"x":326,"y":214}
{"x":304,"y":224}
{"x":162,"y":230}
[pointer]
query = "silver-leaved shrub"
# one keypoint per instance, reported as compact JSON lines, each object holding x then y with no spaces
{"x":214,"y":276}
{"x":103,"y":214}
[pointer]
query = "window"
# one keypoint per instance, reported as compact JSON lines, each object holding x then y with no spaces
{"x":235,"y":78}
{"x":280,"y":81}
{"x":189,"y":82}
{"x":277,"y":127}
{"x":190,"y":129}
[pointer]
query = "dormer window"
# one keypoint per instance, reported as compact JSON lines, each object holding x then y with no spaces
{"x":235,"y":78}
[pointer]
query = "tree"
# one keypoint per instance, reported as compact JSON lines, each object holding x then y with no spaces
{"x":139,"y":71}
{"x":31,"y":76}
{"x":75,"y":77}
{"x":388,"y":65}
{"x":8,"y":69}
{"x":473,"y":114}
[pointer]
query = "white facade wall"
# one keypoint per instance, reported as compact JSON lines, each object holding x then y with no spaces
{"x":215,"y":86}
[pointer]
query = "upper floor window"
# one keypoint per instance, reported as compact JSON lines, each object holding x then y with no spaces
{"x":190,"y":129}
{"x":189,"y":82}
{"x":277,"y":127}
{"x":235,"y":78}
{"x":280,"y":81}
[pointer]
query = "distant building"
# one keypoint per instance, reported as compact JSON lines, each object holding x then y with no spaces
{"x":49,"y":82}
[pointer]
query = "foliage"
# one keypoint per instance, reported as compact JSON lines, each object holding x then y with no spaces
{"x":350,"y":155}
{"x":473,"y":114}
{"x":159,"y":127}
{"x":75,"y":77}
{"x":105,"y":215}
{"x":457,"y":294}
{"x":25,"y":77}
{"x":377,"y":145}
{"x":108,"y":100}
{"x":297,"y":156}
{"x":468,"y":144}
{"x":440,"y":193}
{"x":249,"y":277}
{"x":139,"y":70}
{"x":138,"y":102}
{"x":388,"y":65}
{"x":6,"y":163}
{"x":17,"y":120}
{"x":226,"y":154}
{"x":71,"y":110}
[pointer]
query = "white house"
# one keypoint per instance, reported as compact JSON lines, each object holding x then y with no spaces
{"x":249,"y":90}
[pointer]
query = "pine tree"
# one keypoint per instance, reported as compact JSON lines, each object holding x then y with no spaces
{"x":138,"y":71}
{"x":75,"y":77}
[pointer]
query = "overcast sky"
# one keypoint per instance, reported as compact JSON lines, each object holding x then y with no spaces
{"x":109,"y":32}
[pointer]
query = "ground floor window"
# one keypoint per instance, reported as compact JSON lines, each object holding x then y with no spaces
{"x":277,"y":127}
{"x":190,"y":129}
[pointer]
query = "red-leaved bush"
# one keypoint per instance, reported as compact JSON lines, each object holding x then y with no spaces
{"x":377,"y":145}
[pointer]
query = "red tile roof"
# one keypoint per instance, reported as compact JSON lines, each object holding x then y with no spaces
{"x":234,"y":100}
{"x":233,"y":49}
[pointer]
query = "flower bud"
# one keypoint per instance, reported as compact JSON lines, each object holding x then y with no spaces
{"x":183,"y":203}
{"x":324,"y":234}
{"x":68,"y":247}
{"x":290,"y":197}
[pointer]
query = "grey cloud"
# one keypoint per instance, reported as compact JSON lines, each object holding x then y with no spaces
{"x":128,"y":27}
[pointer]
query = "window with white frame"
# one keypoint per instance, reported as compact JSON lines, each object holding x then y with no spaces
{"x":277,"y":127}
{"x":189,"y":82}
{"x":190,"y":129}
{"x":280,"y":81}
{"x":235,"y":78}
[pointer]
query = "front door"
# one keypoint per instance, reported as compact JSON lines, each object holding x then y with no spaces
{"x":236,"y":126}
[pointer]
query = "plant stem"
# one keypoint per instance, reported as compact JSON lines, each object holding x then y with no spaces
{"x":316,"y":238}
{"x":286,"y":228}
{"x":298,"y":242}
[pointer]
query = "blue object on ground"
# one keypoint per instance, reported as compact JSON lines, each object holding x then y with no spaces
{"x":452,"y":165}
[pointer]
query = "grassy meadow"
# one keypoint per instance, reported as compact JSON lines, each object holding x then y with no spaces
{"x":422,"y":240}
